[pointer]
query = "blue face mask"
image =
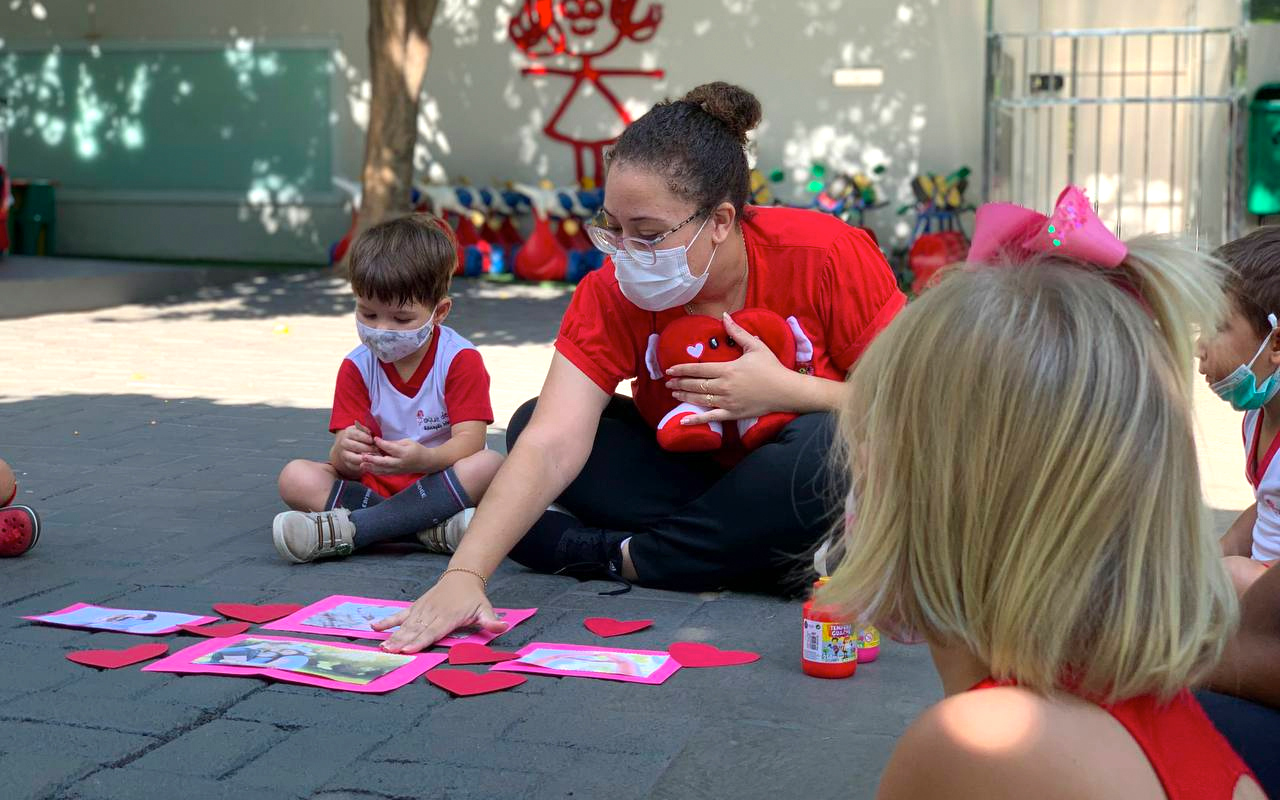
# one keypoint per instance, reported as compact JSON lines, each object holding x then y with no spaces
{"x":1241,"y":388}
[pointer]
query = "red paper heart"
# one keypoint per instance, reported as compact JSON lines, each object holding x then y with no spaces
{"x":114,"y":659}
{"x":463,"y":684}
{"x":478,"y":654}
{"x":217,"y":631}
{"x":697,"y":654}
{"x":606,"y":626}
{"x":254,"y":613}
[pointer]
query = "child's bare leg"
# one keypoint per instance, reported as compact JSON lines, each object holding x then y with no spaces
{"x":1250,"y":667}
{"x":476,"y":471}
{"x":1243,"y":571}
{"x":306,"y":485}
{"x":8,"y":483}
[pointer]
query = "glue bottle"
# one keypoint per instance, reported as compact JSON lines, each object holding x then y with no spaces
{"x":829,"y":648}
{"x":868,"y":644}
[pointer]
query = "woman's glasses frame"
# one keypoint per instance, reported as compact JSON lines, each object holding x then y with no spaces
{"x":642,"y":250}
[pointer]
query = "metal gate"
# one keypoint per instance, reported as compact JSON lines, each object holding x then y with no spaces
{"x":1150,"y":121}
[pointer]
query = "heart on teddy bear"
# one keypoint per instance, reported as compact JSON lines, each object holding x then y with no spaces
{"x":478,"y":654}
{"x":607,"y":626}
{"x":114,"y":659}
{"x":256,"y":614}
{"x":461,"y":683}
{"x":697,"y":654}
{"x":695,"y":350}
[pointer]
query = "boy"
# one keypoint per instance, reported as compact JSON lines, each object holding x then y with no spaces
{"x":1241,"y":362}
{"x":410,"y":411}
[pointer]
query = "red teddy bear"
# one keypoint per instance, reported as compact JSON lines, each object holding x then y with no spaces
{"x":701,"y":339}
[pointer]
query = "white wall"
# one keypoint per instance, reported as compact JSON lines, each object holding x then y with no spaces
{"x":482,"y":120}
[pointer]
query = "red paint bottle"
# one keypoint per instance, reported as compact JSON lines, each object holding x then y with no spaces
{"x":829,"y":648}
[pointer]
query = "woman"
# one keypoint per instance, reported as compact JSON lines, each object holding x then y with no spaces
{"x":682,"y":242}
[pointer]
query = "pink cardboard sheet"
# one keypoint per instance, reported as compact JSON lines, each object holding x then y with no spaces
{"x":120,"y":620}
{"x":328,"y":665}
{"x":346,"y":615}
{"x":582,"y":661}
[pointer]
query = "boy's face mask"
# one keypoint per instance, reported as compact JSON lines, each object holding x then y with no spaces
{"x":1241,"y":388}
{"x":390,"y":346}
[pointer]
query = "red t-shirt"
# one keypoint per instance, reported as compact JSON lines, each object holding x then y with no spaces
{"x":1190,"y":757}
{"x":825,"y":273}
{"x":465,"y":398}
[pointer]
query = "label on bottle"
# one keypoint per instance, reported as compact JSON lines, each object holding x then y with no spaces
{"x":829,"y":642}
{"x":868,"y":637}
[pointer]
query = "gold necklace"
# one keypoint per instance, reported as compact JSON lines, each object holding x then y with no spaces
{"x":688,"y":307}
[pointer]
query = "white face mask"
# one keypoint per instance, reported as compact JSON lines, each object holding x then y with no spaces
{"x":394,"y":345}
{"x":666,"y":283}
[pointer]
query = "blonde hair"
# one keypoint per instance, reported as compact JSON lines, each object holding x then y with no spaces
{"x":1026,"y":479}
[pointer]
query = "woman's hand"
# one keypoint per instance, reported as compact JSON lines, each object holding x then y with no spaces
{"x":753,"y":385}
{"x":456,"y":601}
{"x":397,"y":458}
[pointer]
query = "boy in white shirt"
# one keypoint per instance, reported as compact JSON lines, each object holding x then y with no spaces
{"x":1241,"y":362}
{"x":410,"y":410}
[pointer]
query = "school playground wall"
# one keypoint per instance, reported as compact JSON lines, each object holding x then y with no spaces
{"x":482,"y":120}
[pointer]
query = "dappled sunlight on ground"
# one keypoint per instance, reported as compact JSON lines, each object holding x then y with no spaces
{"x":274,"y":340}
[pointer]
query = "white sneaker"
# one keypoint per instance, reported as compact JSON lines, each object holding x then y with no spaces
{"x":444,"y":538}
{"x":559,"y":509}
{"x":301,"y":537}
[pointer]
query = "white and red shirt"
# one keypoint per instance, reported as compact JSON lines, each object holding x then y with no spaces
{"x":1263,"y":472}
{"x":826,"y":274}
{"x":450,"y":386}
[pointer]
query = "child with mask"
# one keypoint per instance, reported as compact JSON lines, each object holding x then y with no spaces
{"x":410,"y":411}
{"x":1241,"y":361}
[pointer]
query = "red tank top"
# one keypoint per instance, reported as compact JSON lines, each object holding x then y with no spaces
{"x":1190,"y":757}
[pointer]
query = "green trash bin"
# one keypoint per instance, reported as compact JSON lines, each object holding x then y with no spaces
{"x":34,"y":220}
{"x":1264,"y":151}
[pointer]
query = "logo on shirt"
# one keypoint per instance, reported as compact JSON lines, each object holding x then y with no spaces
{"x":432,"y":422}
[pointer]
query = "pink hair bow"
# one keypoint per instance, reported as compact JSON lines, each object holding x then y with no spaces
{"x":1073,"y":230}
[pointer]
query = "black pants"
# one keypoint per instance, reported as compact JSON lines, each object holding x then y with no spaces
{"x":1252,"y":730}
{"x":696,"y":525}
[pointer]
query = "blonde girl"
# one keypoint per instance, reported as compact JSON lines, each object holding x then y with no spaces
{"x":1028,"y":501}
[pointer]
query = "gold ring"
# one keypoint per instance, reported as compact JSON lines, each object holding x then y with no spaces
{"x":706,"y":389}
{"x":710,"y":400}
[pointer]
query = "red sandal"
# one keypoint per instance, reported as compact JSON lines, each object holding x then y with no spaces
{"x":19,"y":530}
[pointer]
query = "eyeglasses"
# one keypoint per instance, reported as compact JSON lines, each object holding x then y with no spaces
{"x":610,"y":242}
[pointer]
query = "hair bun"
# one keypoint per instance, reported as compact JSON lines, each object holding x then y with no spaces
{"x":737,"y":108}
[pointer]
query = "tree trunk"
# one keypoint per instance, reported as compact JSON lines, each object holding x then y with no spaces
{"x":398,"y":50}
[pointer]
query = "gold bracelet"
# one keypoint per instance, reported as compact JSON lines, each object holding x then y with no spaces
{"x":484,"y":582}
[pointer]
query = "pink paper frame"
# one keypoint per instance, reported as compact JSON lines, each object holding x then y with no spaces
{"x":294,"y":623}
{"x":197,"y":619}
{"x":183,"y":662}
{"x":659,"y":676}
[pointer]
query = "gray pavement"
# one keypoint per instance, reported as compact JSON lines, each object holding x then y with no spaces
{"x":149,"y":437}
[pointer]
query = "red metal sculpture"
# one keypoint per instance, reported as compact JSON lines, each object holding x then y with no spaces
{"x":566,"y":30}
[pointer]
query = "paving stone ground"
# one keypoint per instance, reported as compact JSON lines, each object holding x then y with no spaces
{"x":149,"y":437}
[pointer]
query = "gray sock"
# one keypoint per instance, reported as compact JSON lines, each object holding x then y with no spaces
{"x":351,"y":495}
{"x":427,"y":502}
